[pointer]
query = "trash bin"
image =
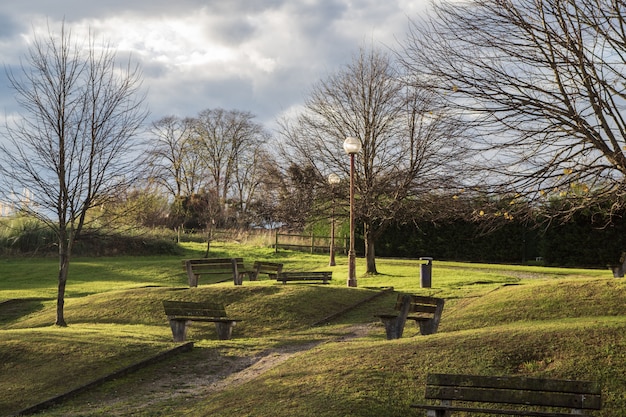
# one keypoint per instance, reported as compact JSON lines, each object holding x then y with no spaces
{"x":426,"y":272}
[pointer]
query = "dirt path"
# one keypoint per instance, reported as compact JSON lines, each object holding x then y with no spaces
{"x":206,"y":374}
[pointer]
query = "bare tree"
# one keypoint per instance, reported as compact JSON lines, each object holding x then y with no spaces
{"x":247,"y":178}
{"x":409,"y":142}
{"x":543,"y":82}
{"x":173,"y":161}
{"x":72,"y":146}
{"x":226,"y":141}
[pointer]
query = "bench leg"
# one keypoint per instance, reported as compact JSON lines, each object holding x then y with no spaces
{"x":618,"y":271}
{"x":179,"y":330}
{"x":393,"y":328}
{"x":224,"y":329}
{"x":430,"y":326}
{"x":426,"y":326}
{"x":438,"y":413}
{"x":192,"y":279}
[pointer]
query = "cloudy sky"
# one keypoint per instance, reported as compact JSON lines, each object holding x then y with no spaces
{"x":260,"y":56}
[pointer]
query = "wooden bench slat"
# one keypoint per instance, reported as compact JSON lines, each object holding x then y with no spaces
{"x":569,"y":397}
{"x":213,"y":263}
{"x":497,"y":411}
{"x":419,"y":299}
{"x":215,"y":268}
{"x":191,"y":309}
{"x":514,"y":382}
{"x":323,"y":276}
{"x":418,"y":308}
{"x":514,"y":396}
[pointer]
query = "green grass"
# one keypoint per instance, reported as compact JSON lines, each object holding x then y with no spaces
{"x":498,"y":319}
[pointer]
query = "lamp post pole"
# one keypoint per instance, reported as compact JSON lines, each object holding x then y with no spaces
{"x":352,"y":146}
{"x":333,"y":179}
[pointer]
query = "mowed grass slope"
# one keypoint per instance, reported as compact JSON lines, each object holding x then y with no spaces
{"x":510,"y":320}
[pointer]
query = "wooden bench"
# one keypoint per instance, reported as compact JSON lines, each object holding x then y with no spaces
{"x":522,"y":396}
{"x":180,"y":313}
{"x":261,"y":267}
{"x":230,"y":268}
{"x":284,"y":277}
{"x":428,"y":315}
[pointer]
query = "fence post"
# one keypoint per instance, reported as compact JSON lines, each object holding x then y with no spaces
{"x":276,"y":242}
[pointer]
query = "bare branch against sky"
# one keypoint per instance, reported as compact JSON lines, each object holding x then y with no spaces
{"x":257,"y":56}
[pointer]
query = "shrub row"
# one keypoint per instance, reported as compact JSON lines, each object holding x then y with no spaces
{"x":20,"y":236}
{"x":584,"y":241}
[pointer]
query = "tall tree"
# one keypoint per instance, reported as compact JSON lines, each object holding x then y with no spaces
{"x":173,"y":161}
{"x":543,"y":82}
{"x":226,"y":141}
{"x":72,"y":146}
{"x":409,"y":141}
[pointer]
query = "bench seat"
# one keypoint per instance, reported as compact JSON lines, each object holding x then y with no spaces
{"x":284,"y":277}
{"x":180,"y":313}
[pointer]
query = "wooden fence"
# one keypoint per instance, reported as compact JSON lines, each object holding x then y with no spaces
{"x":309,"y":243}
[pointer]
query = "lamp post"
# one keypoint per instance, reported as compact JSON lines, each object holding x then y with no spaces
{"x":333,"y":179}
{"x":352,"y":146}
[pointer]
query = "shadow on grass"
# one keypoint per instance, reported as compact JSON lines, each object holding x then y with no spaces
{"x":14,"y":309}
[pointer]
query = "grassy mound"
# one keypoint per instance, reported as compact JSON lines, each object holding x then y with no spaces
{"x":497,"y":320}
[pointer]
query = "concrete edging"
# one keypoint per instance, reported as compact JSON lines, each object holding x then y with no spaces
{"x":352,"y":307}
{"x":186,"y":347}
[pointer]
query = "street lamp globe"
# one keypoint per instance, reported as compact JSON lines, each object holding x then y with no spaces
{"x":352,"y":145}
{"x":333,"y":179}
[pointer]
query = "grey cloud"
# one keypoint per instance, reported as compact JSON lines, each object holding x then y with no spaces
{"x":231,"y":30}
{"x":73,"y":10}
{"x":8,"y":26}
{"x":297,"y":43}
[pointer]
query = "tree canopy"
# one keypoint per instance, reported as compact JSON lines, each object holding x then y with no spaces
{"x":72,"y":147}
{"x":542,"y":83}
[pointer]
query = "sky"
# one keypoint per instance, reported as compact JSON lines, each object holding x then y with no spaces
{"x":261,"y":56}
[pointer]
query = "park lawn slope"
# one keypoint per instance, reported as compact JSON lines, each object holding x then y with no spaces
{"x":262,"y":308}
{"x":112,"y":330}
{"x":579,"y":333}
{"x":39,"y":364}
{"x":497,"y":320}
{"x":536,"y":300}
{"x":370,"y":378}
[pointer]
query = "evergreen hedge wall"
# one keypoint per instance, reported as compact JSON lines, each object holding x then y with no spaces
{"x":584,"y":241}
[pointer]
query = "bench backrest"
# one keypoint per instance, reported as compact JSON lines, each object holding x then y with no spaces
{"x":193,"y":309}
{"x":514,"y":390}
{"x":420,"y":304}
{"x":261,"y":267}
{"x":212,"y":265}
{"x":232,"y":267}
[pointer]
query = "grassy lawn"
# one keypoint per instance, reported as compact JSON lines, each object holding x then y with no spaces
{"x":498,"y":320}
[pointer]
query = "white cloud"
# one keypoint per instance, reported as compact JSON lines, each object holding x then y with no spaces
{"x":259,"y":56}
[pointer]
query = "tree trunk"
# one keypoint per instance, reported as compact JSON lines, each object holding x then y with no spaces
{"x":209,"y":238}
{"x":370,"y":252}
{"x":64,"y":264}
